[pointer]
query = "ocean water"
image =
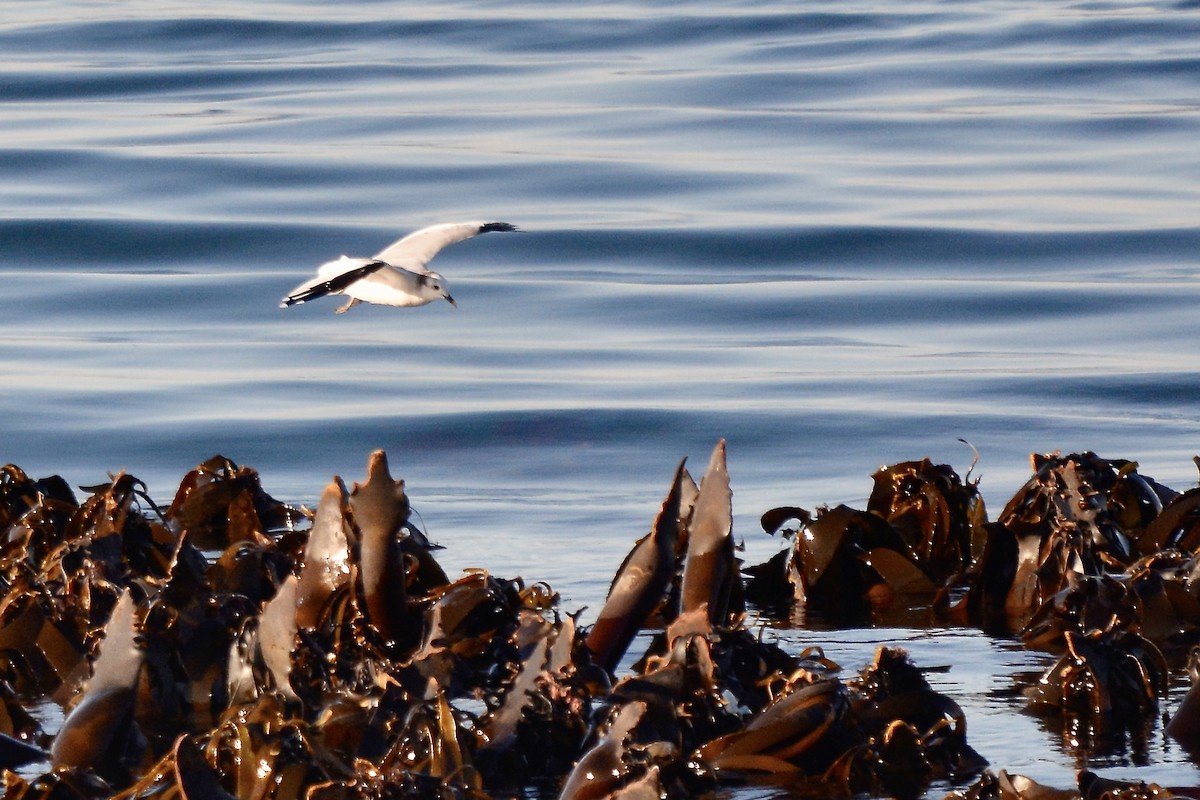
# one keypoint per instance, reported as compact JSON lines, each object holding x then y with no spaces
{"x":837,"y":235}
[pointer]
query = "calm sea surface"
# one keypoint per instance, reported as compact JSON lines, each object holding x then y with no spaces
{"x":838,"y":235}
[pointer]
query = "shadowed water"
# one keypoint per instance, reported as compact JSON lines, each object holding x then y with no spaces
{"x":836,"y":235}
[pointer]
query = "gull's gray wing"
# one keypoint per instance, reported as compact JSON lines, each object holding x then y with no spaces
{"x":417,"y":249}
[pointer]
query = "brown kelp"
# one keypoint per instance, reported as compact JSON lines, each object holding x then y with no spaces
{"x":231,"y":645}
{"x":922,"y":524}
{"x":1090,"y":560}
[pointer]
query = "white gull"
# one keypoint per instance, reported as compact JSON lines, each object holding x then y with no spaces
{"x":397,"y":275}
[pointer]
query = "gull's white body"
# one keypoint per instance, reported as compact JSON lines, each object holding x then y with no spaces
{"x":398,"y":275}
{"x":389,"y":285}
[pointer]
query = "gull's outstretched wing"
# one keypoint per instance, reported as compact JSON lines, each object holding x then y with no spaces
{"x":332,"y":277}
{"x":417,"y":249}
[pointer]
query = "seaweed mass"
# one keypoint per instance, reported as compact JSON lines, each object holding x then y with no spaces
{"x":230,"y":645}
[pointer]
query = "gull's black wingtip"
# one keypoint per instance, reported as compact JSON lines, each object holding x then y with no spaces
{"x":300,"y":297}
{"x":493,"y":227}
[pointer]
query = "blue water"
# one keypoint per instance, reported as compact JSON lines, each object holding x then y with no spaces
{"x":837,"y":235}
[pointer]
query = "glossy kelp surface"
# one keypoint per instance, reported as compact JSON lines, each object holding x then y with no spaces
{"x":326,"y":654}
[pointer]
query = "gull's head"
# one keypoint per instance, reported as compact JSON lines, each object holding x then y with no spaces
{"x":434,"y":287}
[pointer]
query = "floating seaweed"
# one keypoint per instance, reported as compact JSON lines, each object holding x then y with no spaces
{"x":1078,"y":515}
{"x":922,"y":525}
{"x":1089,"y":786}
{"x":231,"y":645}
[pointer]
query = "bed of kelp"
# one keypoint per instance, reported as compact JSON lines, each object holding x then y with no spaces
{"x":229,"y":645}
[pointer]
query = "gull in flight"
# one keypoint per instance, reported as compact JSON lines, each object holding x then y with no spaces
{"x":397,"y":276}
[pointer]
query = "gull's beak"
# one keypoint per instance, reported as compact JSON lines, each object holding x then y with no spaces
{"x":450,"y":300}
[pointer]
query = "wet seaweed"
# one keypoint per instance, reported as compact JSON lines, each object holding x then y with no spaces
{"x":230,"y":645}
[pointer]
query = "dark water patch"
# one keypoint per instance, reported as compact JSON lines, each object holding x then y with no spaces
{"x":69,"y":244}
{"x":199,"y":39}
{"x":235,"y":191}
{"x":872,"y":304}
{"x":1050,"y":73}
{"x":173,"y":37}
{"x":147,"y":174}
{"x":213,"y":82}
{"x":1132,"y":30}
{"x":185,"y":39}
{"x":869,"y":248}
{"x":1159,"y":394}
